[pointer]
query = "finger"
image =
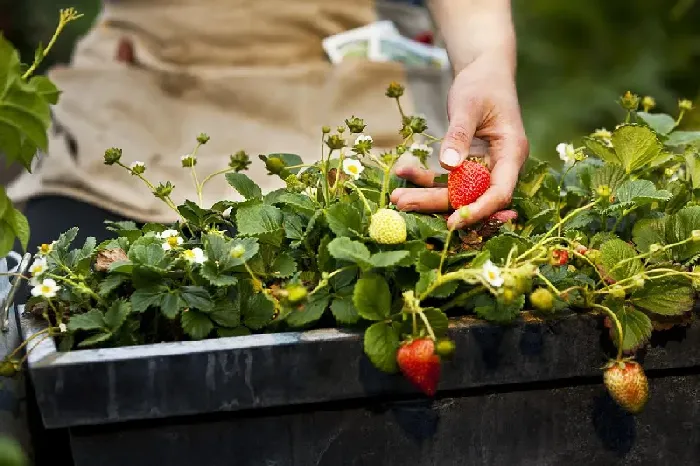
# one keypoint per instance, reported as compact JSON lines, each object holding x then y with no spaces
{"x":455,"y":145}
{"x":504,"y":177}
{"x":418,"y":176}
{"x":420,"y":199}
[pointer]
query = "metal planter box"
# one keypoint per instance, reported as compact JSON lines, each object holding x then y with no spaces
{"x":528,"y":394}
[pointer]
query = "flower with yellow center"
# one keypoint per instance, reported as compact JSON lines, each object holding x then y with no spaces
{"x":46,"y":249}
{"x":194,"y":256}
{"x":38,"y":267}
{"x":492,"y":274}
{"x":352,"y":168}
{"x":171,"y":239}
{"x":46,"y":289}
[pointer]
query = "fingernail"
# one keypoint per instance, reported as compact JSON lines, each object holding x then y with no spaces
{"x":450,"y":157}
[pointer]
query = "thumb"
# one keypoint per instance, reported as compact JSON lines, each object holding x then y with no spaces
{"x":455,"y":145}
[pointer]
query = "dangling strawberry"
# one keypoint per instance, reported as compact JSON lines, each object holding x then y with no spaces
{"x":559,"y":256}
{"x":420,"y":365}
{"x":627,"y":384}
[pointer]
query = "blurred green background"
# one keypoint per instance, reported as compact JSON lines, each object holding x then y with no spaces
{"x":576,"y":57}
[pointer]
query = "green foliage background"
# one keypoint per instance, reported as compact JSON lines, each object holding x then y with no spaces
{"x":576,"y":57}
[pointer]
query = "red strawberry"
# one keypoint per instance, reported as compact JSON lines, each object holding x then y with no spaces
{"x":627,"y":385}
{"x":466,"y":183}
{"x":420,"y":365}
{"x":425,"y":37}
{"x":559,"y":257}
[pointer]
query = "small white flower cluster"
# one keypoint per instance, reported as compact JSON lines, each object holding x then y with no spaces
{"x":171,"y":239}
{"x":420,"y":150}
{"x":353,"y":168}
{"x":492,"y":274}
{"x":363,"y":144}
{"x":566,"y":152}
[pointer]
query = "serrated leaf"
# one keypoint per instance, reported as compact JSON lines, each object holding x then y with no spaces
{"x":310,"y":312}
{"x":665,"y":296}
{"x":427,"y":278}
{"x":298,"y":202}
{"x":388,"y":258}
{"x":226,"y":313}
{"x":372,"y":297}
{"x":580,"y":221}
{"x":344,"y":220}
{"x":683,"y":138}
{"x":95,"y":339}
{"x":640,"y":192}
{"x":293,"y":225}
{"x":679,"y":227}
{"x":601,"y":151}
{"x":324,"y":260}
{"x":692,"y":165}
{"x":18,"y":224}
{"x":659,"y":122}
{"x":150,"y":254}
{"x":256,"y":219}
{"x":196,"y":324}
{"x":211,"y":272}
{"x":244,"y":185}
{"x":258,"y":311}
{"x":91,"y":320}
{"x":648,"y":231}
{"x":284,"y":266}
{"x":381,"y":342}
{"x":607,"y":175}
{"x":619,"y":259}
{"x":110,"y":283}
{"x":344,"y":310}
{"x":171,"y":304}
{"x":116,"y":314}
{"x":636,"y":327}
{"x":635,"y":146}
{"x":488,"y":308}
{"x":500,"y":246}
{"x":431,"y":227}
{"x":438,"y":321}
{"x":345,"y":249}
{"x":143,"y":298}
{"x":197,"y":297}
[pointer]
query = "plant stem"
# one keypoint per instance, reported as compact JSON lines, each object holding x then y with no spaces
{"x":650,"y":253}
{"x":26,"y":342}
{"x":359,"y":193}
{"x":324,"y":282}
{"x":444,"y":250}
{"x":385,"y":188}
{"x":217,"y":173}
{"x":76,"y":285}
{"x":66,"y":16}
{"x":427,"y":325}
{"x":549,"y":284}
{"x":398,"y":104}
{"x":618,"y":325}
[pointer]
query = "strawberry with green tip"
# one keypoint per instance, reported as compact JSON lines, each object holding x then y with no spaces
{"x":420,"y":365}
{"x":627,"y":384}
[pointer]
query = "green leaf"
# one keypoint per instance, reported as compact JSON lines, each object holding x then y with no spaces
{"x":258,"y":311}
{"x":344,"y":310}
{"x":344,"y":248}
{"x":95,"y":339}
{"x":692,"y":165}
{"x":500,"y":246}
{"x":284,"y":266}
{"x":640,"y":192}
{"x":607,"y":175}
{"x":619,"y":259}
{"x":310,"y":312}
{"x":324,"y":260}
{"x":110,"y":283}
{"x":150,"y":254}
{"x":4,"y":202}
{"x":91,"y":320}
{"x":213,"y":274}
{"x":116,"y":314}
{"x":683,"y":138}
{"x":679,"y":227}
{"x":636,"y":327}
{"x":298,"y":202}
{"x":372,"y":297}
{"x":648,"y":231}
{"x":344,"y":220}
{"x":244,"y":185}
{"x":601,"y":151}
{"x":486,"y":307}
{"x":381,"y":342}
{"x":7,"y":238}
{"x":257,"y":219}
{"x":636,"y":146}
{"x":143,"y":298}
{"x":227,"y":314}
{"x":659,"y":122}
{"x":171,"y":304}
{"x":293,"y":225}
{"x":197,"y":297}
{"x":431,"y":227}
{"x":427,"y":278}
{"x":437,"y":320}
{"x":18,"y":224}
{"x":667,"y":296}
{"x":388,"y":258}
{"x":196,"y":324}
{"x":45,"y":88}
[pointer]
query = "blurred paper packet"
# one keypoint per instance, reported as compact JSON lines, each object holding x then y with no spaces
{"x":395,"y":47}
{"x":356,"y":43}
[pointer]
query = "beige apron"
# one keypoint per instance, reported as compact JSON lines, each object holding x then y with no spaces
{"x":251,"y":74}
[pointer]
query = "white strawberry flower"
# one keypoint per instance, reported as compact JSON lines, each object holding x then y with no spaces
{"x":46,"y":289}
{"x":492,"y":274}
{"x":567,"y":152}
{"x":188,"y":160}
{"x":353,"y":168}
{"x":363,"y":138}
{"x":171,"y":239}
{"x":38,"y":266}
{"x":62,"y":327}
{"x":419,"y":150}
{"x":45,"y":249}
{"x":194,"y":256}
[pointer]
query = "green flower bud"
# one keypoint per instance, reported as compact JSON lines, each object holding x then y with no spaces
{"x":325,"y":129}
{"x":164,"y":190}
{"x":335,"y":141}
{"x":203,"y":138}
{"x":112,"y":156}
{"x":618,"y":292}
{"x":238,"y":251}
{"x":395,"y":90}
{"x":356,"y":125}
{"x":648,"y":103}
{"x":401,"y":149}
{"x":137,"y":168}
{"x":445,"y":348}
{"x":239,"y":161}
{"x":629,"y":101}
{"x":296,"y":294}
{"x":685,"y":105}
{"x":188,"y":161}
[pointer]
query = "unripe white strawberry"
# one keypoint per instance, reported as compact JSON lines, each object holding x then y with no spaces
{"x":387,"y":227}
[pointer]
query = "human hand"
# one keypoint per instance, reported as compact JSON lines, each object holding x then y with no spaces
{"x":482,"y":102}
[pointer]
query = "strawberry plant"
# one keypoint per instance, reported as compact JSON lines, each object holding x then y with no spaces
{"x":615,"y":234}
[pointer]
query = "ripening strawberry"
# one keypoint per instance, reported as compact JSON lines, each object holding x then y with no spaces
{"x":466,"y":183}
{"x":559,"y":257}
{"x":420,"y":365}
{"x":627,"y":384}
